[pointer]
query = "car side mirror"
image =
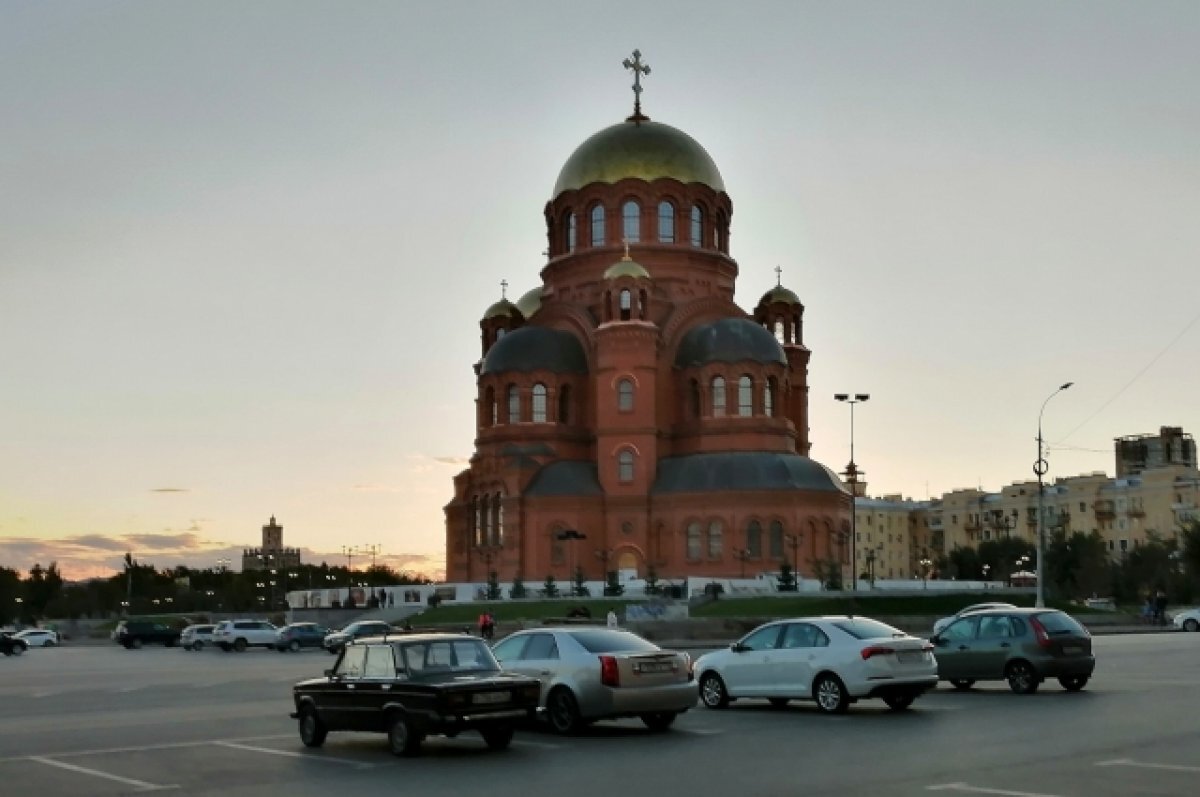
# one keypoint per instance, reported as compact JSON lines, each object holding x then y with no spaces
{"x":329,"y":673}
{"x":737,"y":647}
{"x":937,"y":640}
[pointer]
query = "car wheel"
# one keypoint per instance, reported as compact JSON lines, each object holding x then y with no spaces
{"x":899,"y":702}
{"x":778,"y":702}
{"x":1191,"y":625}
{"x":713,"y":692}
{"x":239,"y":645}
{"x":962,"y":684}
{"x":659,"y":720}
{"x":197,"y":645}
{"x":1073,"y":683}
{"x":294,"y":646}
{"x":187,"y":647}
{"x":135,"y":643}
{"x":225,"y":646}
{"x":498,"y":738}
{"x":403,"y":739}
{"x":563,"y":711}
{"x":831,"y":694}
{"x":1021,"y":678}
{"x":312,"y":730}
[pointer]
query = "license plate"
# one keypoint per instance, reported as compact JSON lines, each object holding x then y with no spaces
{"x":487,"y":698}
{"x":655,"y":666}
{"x":909,"y":655}
{"x":1072,"y":650}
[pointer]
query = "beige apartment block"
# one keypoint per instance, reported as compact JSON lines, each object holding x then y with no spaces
{"x":886,"y":528}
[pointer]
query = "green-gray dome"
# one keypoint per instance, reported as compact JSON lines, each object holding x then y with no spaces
{"x":536,"y":349}
{"x":626,"y":268}
{"x":530,"y":302}
{"x":728,"y":340}
{"x":780,"y":294}
{"x":646,"y":150}
{"x":501,"y":309}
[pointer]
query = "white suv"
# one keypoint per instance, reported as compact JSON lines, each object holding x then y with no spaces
{"x":241,"y":634}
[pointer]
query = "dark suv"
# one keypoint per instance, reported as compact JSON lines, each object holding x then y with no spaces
{"x":135,"y":633}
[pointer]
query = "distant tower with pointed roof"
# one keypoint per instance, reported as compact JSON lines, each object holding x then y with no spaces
{"x":272,"y":555}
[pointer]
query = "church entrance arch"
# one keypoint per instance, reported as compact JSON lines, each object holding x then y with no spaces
{"x":628,"y":561}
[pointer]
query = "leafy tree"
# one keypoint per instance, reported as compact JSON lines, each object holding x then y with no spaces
{"x":964,"y":564}
{"x":1077,"y":566}
{"x":550,"y":587}
{"x":612,"y":586}
{"x":828,"y":572}
{"x":787,"y":578}
{"x":494,"y":593}
{"x":579,"y":583}
{"x":517,"y":590}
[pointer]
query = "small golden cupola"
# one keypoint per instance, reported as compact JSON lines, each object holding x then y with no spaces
{"x":627,"y":290}
{"x":782,"y":313}
{"x":499,"y":319}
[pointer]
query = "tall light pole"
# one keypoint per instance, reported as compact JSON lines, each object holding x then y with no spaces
{"x":1040,"y":466}
{"x":794,"y":541}
{"x":852,"y":474}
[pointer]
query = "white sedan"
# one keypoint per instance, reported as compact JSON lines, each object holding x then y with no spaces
{"x":38,"y":637}
{"x":832,"y":660}
{"x":1187,"y":620}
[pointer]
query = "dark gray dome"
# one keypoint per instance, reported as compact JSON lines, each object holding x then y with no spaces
{"x":534,"y":349}
{"x":744,"y":470}
{"x":728,"y":340}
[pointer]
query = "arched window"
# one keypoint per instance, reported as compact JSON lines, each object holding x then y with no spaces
{"x":625,"y":466}
{"x":489,"y":407}
{"x":564,"y":404}
{"x":514,"y":404}
{"x":625,"y":395}
{"x":718,"y":397}
{"x":780,"y":334}
{"x":697,"y":226}
{"x":745,"y":397}
{"x":776,"y":539}
{"x":754,"y":540}
{"x":557,"y":552}
{"x":631,"y":222}
{"x":666,"y":223}
{"x":598,"y":225}
{"x":571,"y":232}
{"x":769,"y":397}
{"x":485,"y":509}
{"x":539,"y":403}
{"x":625,"y":302}
{"x":693,"y":541}
{"x":499,"y":509}
{"x":694,"y":399}
{"x":476,"y":522}
{"x":714,"y":539}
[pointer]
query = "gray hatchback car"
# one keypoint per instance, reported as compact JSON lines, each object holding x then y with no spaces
{"x":1021,"y":646}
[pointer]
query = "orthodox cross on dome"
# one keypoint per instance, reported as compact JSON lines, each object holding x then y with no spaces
{"x":503,"y":289}
{"x":639,"y":69}
{"x":778,"y":276}
{"x":626,"y":242}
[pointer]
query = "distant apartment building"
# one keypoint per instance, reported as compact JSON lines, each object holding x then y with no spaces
{"x":888,"y":530}
{"x":272,"y":555}
{"x":1138,"y":453}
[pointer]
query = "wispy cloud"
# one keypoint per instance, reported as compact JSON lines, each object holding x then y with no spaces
{"x":170,"y":490}
{"x":452,"y":460}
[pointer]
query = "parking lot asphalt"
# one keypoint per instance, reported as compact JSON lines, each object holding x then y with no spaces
{"x":100,"y":720}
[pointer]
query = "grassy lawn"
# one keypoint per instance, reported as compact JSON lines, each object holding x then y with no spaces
{"x":456,"y":614}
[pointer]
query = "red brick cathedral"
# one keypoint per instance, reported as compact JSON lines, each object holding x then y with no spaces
{"x":630,"y":415}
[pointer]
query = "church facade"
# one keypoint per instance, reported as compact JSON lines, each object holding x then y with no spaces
{"x":631,"y":416}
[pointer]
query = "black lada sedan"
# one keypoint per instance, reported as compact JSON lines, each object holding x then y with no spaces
{"x":412,"y":686}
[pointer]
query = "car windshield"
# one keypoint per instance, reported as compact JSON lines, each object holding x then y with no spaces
{"x":601,"y":640}
{"x":446,"y":655}
{"x":1060,"y":624}
{"x":862,"y":628}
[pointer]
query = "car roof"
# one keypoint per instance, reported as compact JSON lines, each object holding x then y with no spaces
{"x":411,"y":637}
{"x":1023,"y":610}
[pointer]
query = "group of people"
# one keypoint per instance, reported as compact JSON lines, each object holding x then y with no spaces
{"x":1155,"y":610}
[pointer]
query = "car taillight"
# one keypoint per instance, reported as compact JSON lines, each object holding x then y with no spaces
{"x":876,"y":650}
{"x":1039,"y":633}
{"x":610,"y":674}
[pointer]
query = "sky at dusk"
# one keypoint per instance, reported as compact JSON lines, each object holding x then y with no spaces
{"x":245,"y":247}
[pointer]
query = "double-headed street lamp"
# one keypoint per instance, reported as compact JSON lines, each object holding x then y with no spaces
{"x":925,"y":564}
{"x":793,"y":540}
{"x":1040,"y":466}
{"x":852,"y":474}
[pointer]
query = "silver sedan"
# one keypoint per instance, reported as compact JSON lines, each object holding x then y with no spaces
{"x":591,"y":673}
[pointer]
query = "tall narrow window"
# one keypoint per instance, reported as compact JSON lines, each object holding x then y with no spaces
{"x":598,"y":225}
{"x":488,"y":411}
{"x":564,"y":404}
{"x":476,"y":522}
{"x":625,"y":466}
{"x":754,"y":540}
{"x":693,"y":541}
{"x":776,"y":539}
{"x":714,"y":540}
{"x":780,"y":335}
{"x":631,"y":222}
{"x":745,"y":397}
{"x":666,"y":223}
{"x":625,"y":301}
{"x":571,"y":232}
{"x":539,"y":403}
{"x":499,"y":510}
{"x":514,"y":404}
{"x":718,"y":396}
{"x":769,"y":397}
{"x":625,"y":395}
{"x":485,"y":508}
{"x":697,"y":226}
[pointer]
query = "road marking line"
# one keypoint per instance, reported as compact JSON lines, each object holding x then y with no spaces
{"x":124,"y":690}
{"x":149,"y":747}
{"x":1129,"y":762}
{"x":294,"y":754}
{"x":985,"y":790}
{"x":140,"y":785}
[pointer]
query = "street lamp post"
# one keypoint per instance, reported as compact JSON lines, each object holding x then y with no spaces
{"x":852,"y":474}
{"x":871,"y":568}
{"x":741,"y":554}
{"x":925,"y":564}
{"x":1040,"y":466}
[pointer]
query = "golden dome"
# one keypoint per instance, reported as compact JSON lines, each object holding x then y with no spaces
{"x":501,"y":309}
{"x":530,"y":302}
{"x":645,"y":150}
